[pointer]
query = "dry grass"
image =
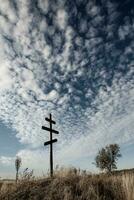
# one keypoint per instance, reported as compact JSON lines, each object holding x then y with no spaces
{"x":72,"y":185}
{"x":128,"y":185}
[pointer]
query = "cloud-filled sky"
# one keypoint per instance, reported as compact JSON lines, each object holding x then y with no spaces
{"x":73,"y":59}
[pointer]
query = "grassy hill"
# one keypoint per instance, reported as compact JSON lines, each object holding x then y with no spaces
{"x":72,"y":184}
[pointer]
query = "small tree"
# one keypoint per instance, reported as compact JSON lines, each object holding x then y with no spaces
{"x":107,"y":157}
{"x":17,"y":166}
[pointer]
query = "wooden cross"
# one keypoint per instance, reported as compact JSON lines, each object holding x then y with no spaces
{"x":51,"y":141}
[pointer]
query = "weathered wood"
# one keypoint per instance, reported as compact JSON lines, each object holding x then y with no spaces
{"x":49,"y":142}
{"x":50,"y":130}
{"x":51,"y":149}
{"x":52,"y":121}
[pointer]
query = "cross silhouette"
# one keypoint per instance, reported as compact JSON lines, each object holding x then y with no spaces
{"x":51,"y":141}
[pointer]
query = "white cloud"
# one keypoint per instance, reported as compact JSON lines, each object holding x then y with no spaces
{"x":64,"y":57}
{"x":43,"y":5}
{"x":52,"y":95}
{"x":36,"y":158}
{"x":61,"y":18}
{"x":6,"y":7}
{"x":8,"y":161}
{"x":46,"y":52}
{"x":5,"y":77}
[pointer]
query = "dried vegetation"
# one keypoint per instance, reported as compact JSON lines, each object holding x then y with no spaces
{"x":72,"y":185}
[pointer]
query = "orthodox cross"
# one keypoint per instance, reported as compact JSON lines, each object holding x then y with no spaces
{"x":51,"y":141}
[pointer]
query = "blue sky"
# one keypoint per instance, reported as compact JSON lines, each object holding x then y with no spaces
{"x":9,"y":145}
{"x":73,"y":59}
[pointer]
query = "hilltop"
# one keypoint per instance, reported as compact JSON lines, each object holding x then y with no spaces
{"x":72,"y":185}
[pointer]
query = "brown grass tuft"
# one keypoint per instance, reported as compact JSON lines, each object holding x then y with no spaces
{"x":72,"y":185}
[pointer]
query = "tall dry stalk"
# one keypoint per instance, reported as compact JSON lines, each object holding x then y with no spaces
{"x":128,"y":184}
{"x":17,"y":166}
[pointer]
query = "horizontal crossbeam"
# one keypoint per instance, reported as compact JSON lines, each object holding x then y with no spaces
{"x":50,"y":120}
{"x":50,"y":142}
{"x":50,"y":130}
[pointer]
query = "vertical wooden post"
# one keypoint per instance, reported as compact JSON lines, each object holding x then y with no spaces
{"x":51,"y":149}
{"x":51,"y":141}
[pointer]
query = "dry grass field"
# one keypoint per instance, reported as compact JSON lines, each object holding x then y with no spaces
{"x":72,"y":185}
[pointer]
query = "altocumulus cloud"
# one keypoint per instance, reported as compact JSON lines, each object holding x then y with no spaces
{"x":71,"y":58}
